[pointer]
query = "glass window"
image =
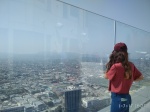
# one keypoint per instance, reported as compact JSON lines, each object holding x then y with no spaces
{"x":138,"y":48}
{"x":48,"y":47}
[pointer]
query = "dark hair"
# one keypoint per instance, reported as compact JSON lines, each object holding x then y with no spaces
{"x":120,"y":57}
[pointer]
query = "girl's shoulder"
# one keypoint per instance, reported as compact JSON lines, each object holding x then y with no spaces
{"x":131,"y":63}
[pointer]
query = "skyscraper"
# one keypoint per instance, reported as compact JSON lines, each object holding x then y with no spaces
{"x":72,"y":101}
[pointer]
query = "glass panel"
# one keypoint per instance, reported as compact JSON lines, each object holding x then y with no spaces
{"x":48,"y":47}
{"x":139,"y":53}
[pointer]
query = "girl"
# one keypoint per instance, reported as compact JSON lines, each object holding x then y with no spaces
{"x":121,"y":73}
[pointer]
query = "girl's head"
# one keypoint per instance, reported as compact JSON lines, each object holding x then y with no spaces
{"x":120,"y":47}
{"x":120,"y":55}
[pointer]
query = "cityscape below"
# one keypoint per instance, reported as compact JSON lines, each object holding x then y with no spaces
{"x":37,"y":84}
{"x":53,"y":56}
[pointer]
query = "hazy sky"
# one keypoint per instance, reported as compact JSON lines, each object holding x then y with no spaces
{"x":49,"y":26}
{"x":132,"y":12}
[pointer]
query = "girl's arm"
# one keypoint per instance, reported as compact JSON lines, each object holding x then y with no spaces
{"x":105,"y":76}
{"x":140,"y":78}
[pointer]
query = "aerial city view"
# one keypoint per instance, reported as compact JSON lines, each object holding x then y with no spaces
{"x":38,"y":85}
{"x":53,"y":57}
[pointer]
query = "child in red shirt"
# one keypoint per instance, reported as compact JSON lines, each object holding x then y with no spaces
{"x":121,"y":73}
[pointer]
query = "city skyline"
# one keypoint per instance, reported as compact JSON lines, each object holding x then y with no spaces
{"x":47,"y":46}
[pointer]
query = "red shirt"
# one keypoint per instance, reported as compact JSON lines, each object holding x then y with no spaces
{"x":117,"y":82}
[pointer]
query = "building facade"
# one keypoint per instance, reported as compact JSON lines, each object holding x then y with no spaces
{"x":72,"y":101}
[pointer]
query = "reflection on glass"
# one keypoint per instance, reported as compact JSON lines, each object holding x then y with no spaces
{"x":48,"y":47}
